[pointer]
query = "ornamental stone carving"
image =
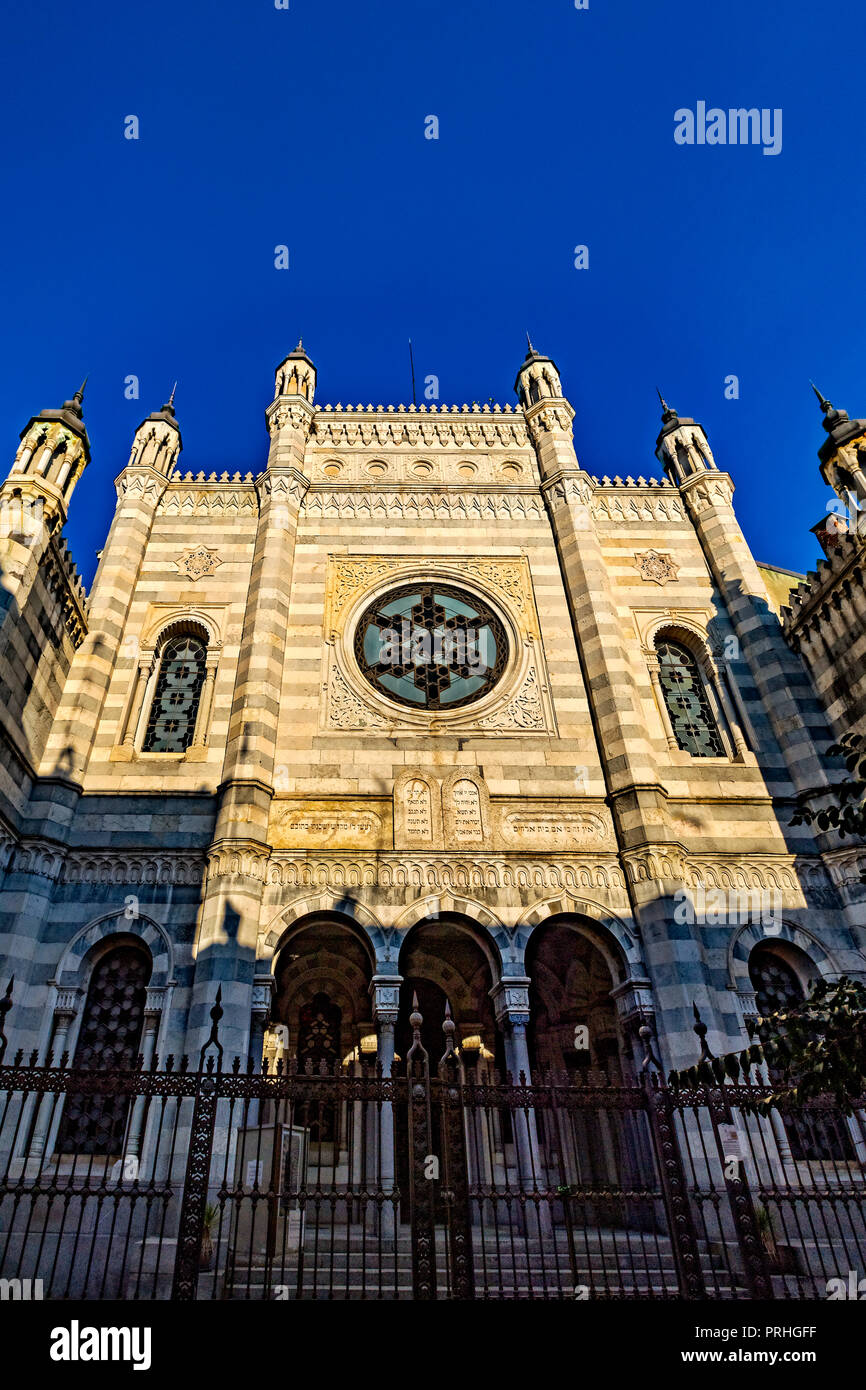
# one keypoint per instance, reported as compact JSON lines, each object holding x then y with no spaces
{"x":199,"y":563}
{"x":655,"y":567}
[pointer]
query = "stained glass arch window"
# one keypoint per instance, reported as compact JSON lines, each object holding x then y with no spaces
{"x":431,"y":646}
{"x":688,"y":706}
{"x":174,"y":707}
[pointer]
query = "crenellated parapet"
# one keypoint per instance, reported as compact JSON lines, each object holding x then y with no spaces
{"x":825,"y":622}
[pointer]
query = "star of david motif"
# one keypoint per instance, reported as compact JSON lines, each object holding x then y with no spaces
{"x":432,"y":645}
{"x":435,"y":676}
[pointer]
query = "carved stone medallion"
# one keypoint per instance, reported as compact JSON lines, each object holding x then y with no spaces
{"x":656,"y":568}
{"x":198,"y":563}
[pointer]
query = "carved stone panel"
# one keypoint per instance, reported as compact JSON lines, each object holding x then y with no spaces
{"x":517,"y":704}
{"x":328,"y":825}
{"x":467,"y":810}
{"x":417,"y":810}
{"x":546,"y":827}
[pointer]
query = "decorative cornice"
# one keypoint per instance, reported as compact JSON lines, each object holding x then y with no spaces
{"x":443,"y":872}
{"x":238,"y":859}
{"x":574,"y":489}
{"x":648,"y":506}
{"x":292,"y":412}
{"x":462,"y":505}
{"x":42,"y":858}
{"x":130,"y":867}
{"x":447,"y":427}
{"x":707,"y":490}
{"x":140,"y":484}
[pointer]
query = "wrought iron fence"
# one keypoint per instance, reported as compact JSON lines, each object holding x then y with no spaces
{"x":437,"y":1182}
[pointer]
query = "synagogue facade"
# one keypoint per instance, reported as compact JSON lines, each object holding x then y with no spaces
{"x":422,"y":707}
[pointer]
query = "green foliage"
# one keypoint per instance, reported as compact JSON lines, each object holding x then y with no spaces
{"x":848,"y":814}
{"x":817,"y":1048}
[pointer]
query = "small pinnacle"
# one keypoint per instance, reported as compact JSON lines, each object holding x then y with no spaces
{"x":825,"y":404}
{"x":75,"y":404}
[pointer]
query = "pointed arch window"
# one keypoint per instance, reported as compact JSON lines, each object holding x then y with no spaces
{"x":687,"y":703}
{"x":174,"y":708}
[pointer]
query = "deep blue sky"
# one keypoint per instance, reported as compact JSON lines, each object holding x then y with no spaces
{"x":306,"y":127}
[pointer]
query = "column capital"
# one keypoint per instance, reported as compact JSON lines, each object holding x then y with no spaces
{"x":264,"y":987}
{"x":634,"y":1002}
{"x":67,"y":1002}
{"x":510,"y":998}
{"x":385,"y":992}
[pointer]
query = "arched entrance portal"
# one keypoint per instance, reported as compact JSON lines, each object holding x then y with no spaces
{"x":445,"y":962}
{"x":573,"y":1021}
{"x":323,"y":976}
{"x":574,"y":1030}
{"x":322,"y":1001}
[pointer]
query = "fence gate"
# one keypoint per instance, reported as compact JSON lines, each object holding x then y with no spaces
{"x":439,"y":1182}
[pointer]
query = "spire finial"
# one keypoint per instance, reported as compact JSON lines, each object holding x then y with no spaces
{"x":171,"y":397}
{"x":530,"y":348}
{"x":824,"y":403}
{"x":75,"y":403}
{"x":668,"y":412}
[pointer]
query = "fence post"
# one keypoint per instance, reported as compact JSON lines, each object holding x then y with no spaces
{"x":751,"y":1245}
{"x":455,"y":1177}
{"x":661,"y":1112}
{"x":195,"y":1187}
{"x":421,"y":1191}
{"x":752,"y":1249}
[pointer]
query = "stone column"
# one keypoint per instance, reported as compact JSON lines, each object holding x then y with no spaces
{"x":231,"y":909}
{"x":263,"y":992}
{"x":724,"y":711}
{"x":69,"y":744}
{"x":385,"y":990}
{"x":49,"y":1112}
{"x":511,"y":1006}
{"x":152,"y":1019}
{"x":205,"y":704}
{"x":142,"y":676}
{"x":654,"y":666}
{"x":788,"y":699}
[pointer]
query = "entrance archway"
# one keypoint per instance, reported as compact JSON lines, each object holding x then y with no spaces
{"x":446,"y":961}
{"x":574,"y":1029}
{"x":573,"y":1021}
{"x":323,"y":974}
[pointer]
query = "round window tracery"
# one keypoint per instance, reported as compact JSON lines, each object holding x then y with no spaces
{"x":431,"y":646}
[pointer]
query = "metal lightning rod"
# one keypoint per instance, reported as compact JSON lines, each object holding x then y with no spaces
{"x":412,"y":367}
